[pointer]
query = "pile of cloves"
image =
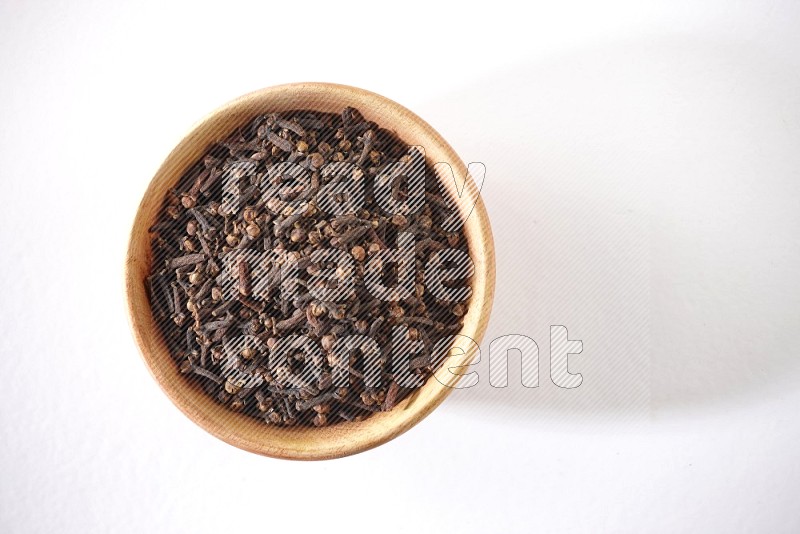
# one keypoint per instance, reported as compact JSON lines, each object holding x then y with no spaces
{"x":252,"y":205}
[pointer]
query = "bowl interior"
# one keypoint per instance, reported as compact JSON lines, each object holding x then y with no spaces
{"x":246,"y":432}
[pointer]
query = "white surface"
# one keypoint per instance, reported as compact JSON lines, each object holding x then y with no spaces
{"x":650,"y":151}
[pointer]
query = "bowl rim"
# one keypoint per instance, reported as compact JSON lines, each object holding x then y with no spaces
{"x":477,"y":316}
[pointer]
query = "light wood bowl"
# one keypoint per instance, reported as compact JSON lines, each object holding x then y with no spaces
{"x":299,"y":443}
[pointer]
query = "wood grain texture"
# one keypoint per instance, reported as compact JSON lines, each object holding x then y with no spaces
{"x":299,"y":443}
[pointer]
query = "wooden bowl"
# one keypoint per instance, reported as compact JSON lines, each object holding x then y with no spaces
{"x":300,"y":443}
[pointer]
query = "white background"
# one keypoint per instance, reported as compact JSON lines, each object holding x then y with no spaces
{"x":642,"y":178}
